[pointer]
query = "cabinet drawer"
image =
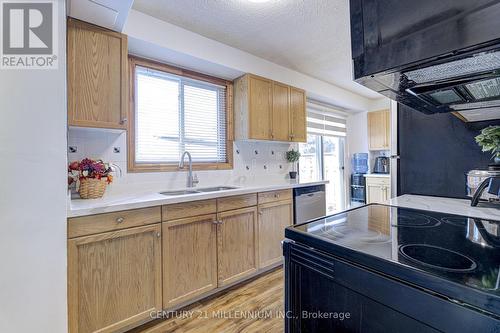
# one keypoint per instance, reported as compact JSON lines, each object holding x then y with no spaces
{"x":378,"y":180}
{"x":94,"y":224}
{"x":189,"y":209}
{"x":239,"y":201}
{"x":272,"y":196}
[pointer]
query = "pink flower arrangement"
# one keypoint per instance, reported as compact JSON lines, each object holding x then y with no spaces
{"x":89,"y":168}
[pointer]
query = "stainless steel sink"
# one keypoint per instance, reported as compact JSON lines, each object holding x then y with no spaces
{"x":216,"y":189}
{"x":198,"y":190}
{"x":181,"y":192}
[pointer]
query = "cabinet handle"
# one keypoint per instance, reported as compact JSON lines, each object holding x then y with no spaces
{"x":158,"y":234}
{"x":276,"y":195}
{"x":260,"y":212}
{"x":123,"y":121}
{"x":120,"y":220}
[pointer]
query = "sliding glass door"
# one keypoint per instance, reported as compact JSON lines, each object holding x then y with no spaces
{"x":333,"y":171}
{"x":322,"y":157}
{"x":310,"y":163}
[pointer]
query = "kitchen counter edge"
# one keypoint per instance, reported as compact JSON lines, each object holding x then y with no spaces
{"x":81,"y":207}
{"x":445,"y":205}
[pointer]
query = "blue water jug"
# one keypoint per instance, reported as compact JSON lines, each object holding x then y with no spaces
{"x":360,"y":162}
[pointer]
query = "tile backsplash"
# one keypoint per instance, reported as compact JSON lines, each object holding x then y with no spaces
{"x":255,"y":162}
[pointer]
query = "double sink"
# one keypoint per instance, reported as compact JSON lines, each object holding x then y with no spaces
{"x":199,"y":190}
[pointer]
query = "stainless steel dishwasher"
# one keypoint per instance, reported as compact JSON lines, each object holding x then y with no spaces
{"x":309,"y":202}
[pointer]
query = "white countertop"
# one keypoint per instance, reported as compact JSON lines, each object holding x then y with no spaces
{"x":381,"y":175}
{"x":445,"y":205}
{"x":107,"y":204}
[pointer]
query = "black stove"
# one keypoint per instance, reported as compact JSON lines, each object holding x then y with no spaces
{"x":455,"y":256}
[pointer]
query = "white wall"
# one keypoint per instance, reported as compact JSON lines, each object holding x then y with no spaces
{"x":33,"y":196}
{"x":357,"y":138}
{"x":151,"y":37}
{"x":357,"y":134}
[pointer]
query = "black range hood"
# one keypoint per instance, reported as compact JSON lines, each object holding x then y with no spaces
{"x":434,"y":56}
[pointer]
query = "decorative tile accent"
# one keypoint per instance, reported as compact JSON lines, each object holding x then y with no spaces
{"x":253,"y":161}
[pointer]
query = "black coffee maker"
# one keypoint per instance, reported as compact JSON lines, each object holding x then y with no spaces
{"x":381,"y":165}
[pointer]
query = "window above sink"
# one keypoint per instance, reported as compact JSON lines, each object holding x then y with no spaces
{"x":175,"y":110}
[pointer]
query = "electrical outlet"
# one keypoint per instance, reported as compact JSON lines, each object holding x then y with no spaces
{"x":116,"y":150}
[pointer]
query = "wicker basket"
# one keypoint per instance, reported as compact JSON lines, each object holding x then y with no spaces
{"x":92,"y":188}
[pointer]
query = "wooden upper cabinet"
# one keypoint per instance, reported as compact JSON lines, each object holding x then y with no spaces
{"x":268,"y":110}
{"x":274,"y":217}
{"x":260,"y":108}
{"x":298,"y":132}
{"x":236,"y":245}
{"x":114,"y":279}
{"x":281,"y":112}
{"x":97,"y":76}
{"x":379,"y":129}
{"x":189,"y":258}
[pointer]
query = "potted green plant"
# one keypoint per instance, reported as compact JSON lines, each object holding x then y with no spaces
{"x":292,"y":156}
{"x":489,"y":140}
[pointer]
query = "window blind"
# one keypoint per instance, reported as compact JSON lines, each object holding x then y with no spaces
{"x":325,"y":120}
{"x":176,"y":114}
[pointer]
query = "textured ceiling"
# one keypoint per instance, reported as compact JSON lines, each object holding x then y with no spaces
{"x":309,"y":36}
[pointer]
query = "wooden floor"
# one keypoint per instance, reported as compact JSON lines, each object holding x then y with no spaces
{"x":256,"y":306}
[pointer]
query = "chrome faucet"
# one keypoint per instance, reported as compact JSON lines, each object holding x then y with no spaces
{"x":191,"y":182}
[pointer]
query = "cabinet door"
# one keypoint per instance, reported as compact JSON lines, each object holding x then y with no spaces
{"x":260,"y":108}
{"x":379,"y":130}
{"x":114,"y":279}
{"x":97,"y":76}
{"x":374,"y":193}
{"x":274,"y":217}
{"x":386,"y":192}
{"x":281,"y":112}
{"x":236,"y":245}
{"x":189,"y":258}
{"x":298,"y":115}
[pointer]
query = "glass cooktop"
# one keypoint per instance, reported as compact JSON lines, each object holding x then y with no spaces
{"x":458,"y":248}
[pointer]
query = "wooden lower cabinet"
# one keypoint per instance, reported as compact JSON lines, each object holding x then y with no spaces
{"x":274,"y":217}
{"x":117,"y":278}
{"x":189,"y":258}
{"x":114,"y":279}
{"x":236,"y":244}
